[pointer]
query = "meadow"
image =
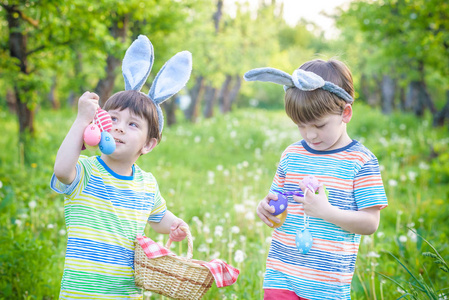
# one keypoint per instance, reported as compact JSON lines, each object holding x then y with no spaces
{"x":213,"y":174}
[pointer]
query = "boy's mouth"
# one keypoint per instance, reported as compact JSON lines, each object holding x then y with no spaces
{"x":118,"y":141}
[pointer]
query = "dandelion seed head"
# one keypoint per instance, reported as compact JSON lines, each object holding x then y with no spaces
{"x":239,"y":256}
{"x":392,"y":182}
{"x":32,"y":204}
{"x":402,"y":238}
{"x":372,"y":254}
{"x":249,"y":216}
{"x":367,"y":239}
{"x":235,"y":229}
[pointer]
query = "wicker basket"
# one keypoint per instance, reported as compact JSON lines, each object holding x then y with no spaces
{"x":172,"y":276}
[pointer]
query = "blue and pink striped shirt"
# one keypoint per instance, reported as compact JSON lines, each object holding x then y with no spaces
{"x":352,"y":177}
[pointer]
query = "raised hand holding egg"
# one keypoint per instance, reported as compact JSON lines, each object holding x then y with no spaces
{"x":97,"y":133}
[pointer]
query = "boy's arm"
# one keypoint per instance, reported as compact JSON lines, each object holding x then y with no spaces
{"x":70,"y":149}
{"x":170,"y":224}
{"x":365,"y":221}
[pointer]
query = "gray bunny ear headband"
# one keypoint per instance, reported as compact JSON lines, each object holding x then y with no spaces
{"x":173,"y":76}
{"x":303,"y":80}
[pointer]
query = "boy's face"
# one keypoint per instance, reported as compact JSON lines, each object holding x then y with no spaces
{"x":130,"y":134}
{"x":327,"y":133}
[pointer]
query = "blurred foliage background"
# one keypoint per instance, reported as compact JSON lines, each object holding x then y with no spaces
{"x":398,"y":51}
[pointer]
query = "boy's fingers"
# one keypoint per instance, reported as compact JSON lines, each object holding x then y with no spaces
{"x":271,"y":196}
{"x":298,"y":199}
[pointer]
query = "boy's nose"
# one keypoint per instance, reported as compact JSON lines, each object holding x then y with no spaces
{"x":311,"y":135}
{"x":119,"y":129}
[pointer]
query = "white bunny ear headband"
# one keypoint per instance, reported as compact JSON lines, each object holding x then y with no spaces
{"x":173,"y":76}
{"x":303,"y":80}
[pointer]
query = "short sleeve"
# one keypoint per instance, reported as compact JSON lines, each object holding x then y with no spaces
{"x":279,"y":178}
{"x":368,"y":187}
{"x":66,"y":189}
{"x":159,"y":207}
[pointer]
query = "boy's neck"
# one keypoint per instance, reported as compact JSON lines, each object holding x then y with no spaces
{"x":123,"y":168}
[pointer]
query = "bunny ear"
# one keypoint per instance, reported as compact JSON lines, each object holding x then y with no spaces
{"x":136,"y":65}
{"x":270,"y":75}
{"x":172,"y":77}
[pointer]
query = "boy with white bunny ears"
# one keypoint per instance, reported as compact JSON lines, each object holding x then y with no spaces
{"x":319,"y":98}
{"x":108,"y":198}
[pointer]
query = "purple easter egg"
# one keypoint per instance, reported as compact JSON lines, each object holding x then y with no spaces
{"x":280,"y":205}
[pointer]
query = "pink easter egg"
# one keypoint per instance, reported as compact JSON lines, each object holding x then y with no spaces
{"x":92,"y":135}
{"x":103,"y":120}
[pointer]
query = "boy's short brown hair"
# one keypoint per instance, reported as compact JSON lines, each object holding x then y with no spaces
{"x":139,"y":104}
{"x":309,"y":106}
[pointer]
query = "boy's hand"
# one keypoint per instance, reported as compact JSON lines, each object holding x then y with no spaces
{"x":176,"y":233}
{"x":315,"y":205}
{"x":264,"y":210}
{"x":87,"y":107}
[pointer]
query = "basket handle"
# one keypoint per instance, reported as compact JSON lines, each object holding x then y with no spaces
{"x":189,"y":241}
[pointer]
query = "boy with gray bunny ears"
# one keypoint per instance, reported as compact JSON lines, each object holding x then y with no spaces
{"x":108,"y":198}
{"x":318,"y":99}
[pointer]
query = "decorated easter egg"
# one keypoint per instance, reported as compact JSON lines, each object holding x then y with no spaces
{"x":280,"y":205}
{"x":303,"y":241}
{"x":103,"y":120}
{"x":92,"y":135}
{"x":281,"y":217}
{"x":311,"y":182}
{"x":107,"y":143}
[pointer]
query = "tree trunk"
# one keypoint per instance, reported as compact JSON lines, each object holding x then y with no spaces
{"x":418,"y":98}
{"x":191,"y":113}
{"x":231,"y":95}
{"x":440,"y":117}
{"x":18,"y":49}
{"x":235,"y":90}
{"x":106,"y":85}
{"x":364,"y":87}
{"x":224,"y":93}
{"x":210,"y":95}
{"x":402,"y":98}
{"x":217,"y":15}
{"x":374,"y":97}
{"x":388,"y":91}
{"x":169,"y":107}
{"x":411,"y":99}
{"x":11,"y":101}
{"x":51,"y":95}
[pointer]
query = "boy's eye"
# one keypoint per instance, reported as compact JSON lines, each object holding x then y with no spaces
{"x":133,"y":124}
{"x":113,"y":119}
{"x":320,"y":126}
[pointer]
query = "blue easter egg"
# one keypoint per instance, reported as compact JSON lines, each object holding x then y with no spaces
{"x":280,"y":205}
{"x":303,"y":241}
{"x":107,"y":143}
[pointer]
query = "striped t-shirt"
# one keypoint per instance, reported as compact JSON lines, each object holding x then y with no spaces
{"x":352,"y":178}
{"x":104,"y":212}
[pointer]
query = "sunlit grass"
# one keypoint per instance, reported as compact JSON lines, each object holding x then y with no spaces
{"x":212,"y":174}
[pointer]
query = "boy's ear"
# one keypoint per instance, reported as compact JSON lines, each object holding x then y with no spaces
{"x":149,"y":146}
{"x":347,"y":113}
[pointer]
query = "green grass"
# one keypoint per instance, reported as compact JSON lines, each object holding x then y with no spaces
{"x":212,"y":174}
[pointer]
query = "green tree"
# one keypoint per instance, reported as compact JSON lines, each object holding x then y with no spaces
{"x":406,"y":41}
